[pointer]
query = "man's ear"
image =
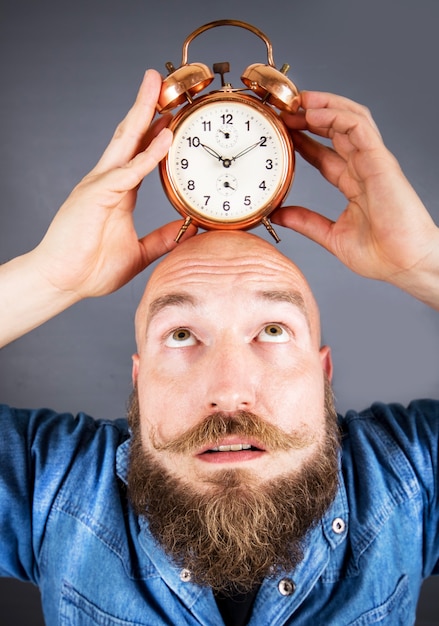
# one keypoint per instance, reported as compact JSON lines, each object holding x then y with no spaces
{"x":326,"y":361}
{"x":135,"y":369}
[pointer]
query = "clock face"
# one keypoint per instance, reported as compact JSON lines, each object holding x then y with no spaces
{"x":229,"y":161}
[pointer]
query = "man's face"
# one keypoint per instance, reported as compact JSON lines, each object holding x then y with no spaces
{"x":228,"y":324}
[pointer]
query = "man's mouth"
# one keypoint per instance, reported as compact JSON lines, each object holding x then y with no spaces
{"x":233,"y":447}
{"x":231,"y":452}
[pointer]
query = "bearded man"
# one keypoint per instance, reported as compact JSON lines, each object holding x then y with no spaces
{"x":233,"y":494}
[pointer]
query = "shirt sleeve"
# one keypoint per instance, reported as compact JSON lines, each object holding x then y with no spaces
{"x":414,"y":430}
{"x":418,"y":430}
{"x":37,"y":448}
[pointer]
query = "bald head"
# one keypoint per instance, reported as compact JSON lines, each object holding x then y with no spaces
{"x":225,"y":260}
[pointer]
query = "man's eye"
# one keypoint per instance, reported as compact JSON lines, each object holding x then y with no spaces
{"x":179,"y":338}
{"x":273,"y":333}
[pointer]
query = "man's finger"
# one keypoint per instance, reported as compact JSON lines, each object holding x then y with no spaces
{"x":323,"y":158}
{"x":325,"y":100}
{"x":306,"y":222}
{"x":108,"y":186}
{"x":129,"y":136}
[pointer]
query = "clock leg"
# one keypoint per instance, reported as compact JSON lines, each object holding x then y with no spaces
{"x":183,"y":229}
{"x":268,"y":225}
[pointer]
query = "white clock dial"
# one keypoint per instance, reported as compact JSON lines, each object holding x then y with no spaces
{"x":227,"y":161}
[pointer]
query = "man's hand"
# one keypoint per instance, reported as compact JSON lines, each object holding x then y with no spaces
{"x":385,"y":232}
{"x":91,"y":247}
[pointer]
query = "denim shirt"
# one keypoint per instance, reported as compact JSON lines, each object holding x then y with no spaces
{"x":66,"y":525}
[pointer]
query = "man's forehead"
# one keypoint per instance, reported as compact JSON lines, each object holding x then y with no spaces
{"x":219,"y":254}
{"x":217,"y":262}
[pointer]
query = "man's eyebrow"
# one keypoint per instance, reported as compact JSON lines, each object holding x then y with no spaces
{"x":292,"y":297}
{"x":169,"y":300}
{"x":183,"y":299}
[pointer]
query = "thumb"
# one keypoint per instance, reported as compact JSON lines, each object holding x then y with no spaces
{"x":316,"y":227}
{"x":162,"y":240}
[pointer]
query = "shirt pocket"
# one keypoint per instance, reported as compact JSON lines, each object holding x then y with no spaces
{"x":395,"y":611}
{"x":76,"y":610}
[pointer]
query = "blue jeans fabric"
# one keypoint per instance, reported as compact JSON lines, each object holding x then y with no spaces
{"x":66,"y":525}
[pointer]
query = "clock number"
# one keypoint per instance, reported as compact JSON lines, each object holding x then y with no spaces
{"x":226,"y":206}
{"x":248,"y":124}
{"x":191,"y":185}
{"x":263,"y":142}
{"x":207,"y":198}
{"x":207,"y":126}
{"x":268,"y":164}
{"x":194,"y":142}
{"x":184,"y":164}
{"x":263,"y":185}
{"x":247,"y":201}
{"x":227,"y":118}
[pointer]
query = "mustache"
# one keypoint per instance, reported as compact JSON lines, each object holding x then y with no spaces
{"x":219,"y":425}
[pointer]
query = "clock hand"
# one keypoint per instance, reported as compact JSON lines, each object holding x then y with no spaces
{"x":240,"y":154}
{"x":226,"y":162}
{"x":227,"y":184}
{"x":211,"y":151}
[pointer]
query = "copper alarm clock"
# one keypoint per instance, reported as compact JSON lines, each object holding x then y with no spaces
{"x":231,"y":162}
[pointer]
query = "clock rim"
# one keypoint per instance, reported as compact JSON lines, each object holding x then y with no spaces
{"x":286,"y":179}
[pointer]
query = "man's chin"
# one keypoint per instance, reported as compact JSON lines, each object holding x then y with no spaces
{"x":234,"y":480}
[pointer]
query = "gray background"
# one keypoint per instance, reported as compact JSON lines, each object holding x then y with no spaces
{"x":69,"y":72}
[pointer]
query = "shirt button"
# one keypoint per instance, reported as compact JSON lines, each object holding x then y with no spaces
{"x":338,"y":525}
{"x":185,"y":575}
{"x":286,"y":587}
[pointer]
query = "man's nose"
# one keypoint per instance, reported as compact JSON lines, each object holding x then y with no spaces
{"x":231,"y":378}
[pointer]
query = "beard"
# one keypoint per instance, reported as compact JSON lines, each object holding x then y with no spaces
{"x":240,"y":531}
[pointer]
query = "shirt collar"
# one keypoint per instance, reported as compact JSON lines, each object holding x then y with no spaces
{"x":122,"y":460}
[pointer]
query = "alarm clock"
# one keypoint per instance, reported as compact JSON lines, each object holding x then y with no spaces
{"x":231,"y":162}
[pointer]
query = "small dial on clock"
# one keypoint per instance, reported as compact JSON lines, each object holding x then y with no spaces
{"x":226,"y":136}
{"x":226,"y":184}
